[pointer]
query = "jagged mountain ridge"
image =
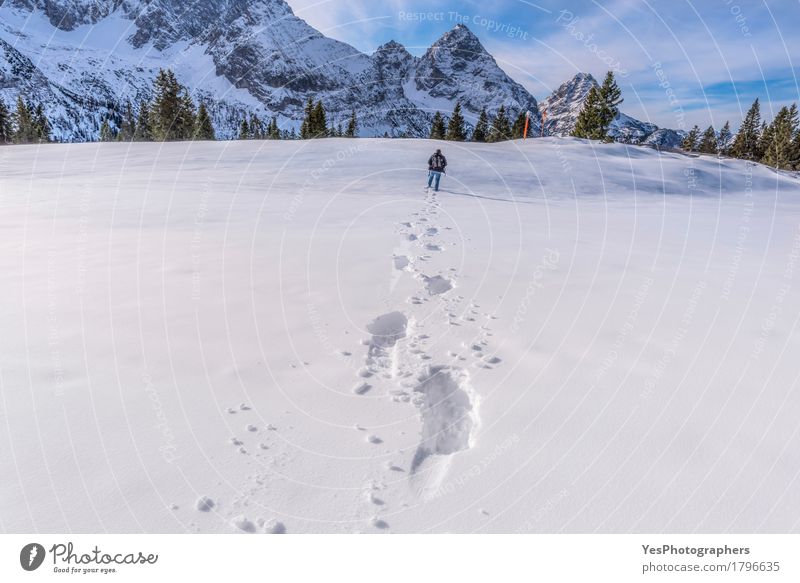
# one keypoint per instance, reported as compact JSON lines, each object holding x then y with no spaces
{"x":84,"y":58}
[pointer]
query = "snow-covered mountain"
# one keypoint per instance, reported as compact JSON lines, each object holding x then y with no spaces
{"x":84,"y":58}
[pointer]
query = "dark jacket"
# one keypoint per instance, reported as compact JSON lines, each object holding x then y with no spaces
{"x":437,"y":163}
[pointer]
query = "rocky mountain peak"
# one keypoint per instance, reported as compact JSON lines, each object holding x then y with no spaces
{"x":461,"y":42}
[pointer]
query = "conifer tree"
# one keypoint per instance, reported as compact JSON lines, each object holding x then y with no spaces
{"x":500,"y":129}
{"x":204,"y":129}
{"x":455,"y":127}
{"x":186,"y":122}
{"x":41,"y":125}
{"x":352,"y":125}
{"x":691,"y":140}
{"x":24,"y":130}
{"x":274,"y":132}
{"x":167,"y":115}
{"x":610,"y":99}
{"x":256,"y":127}
{"x":746,"y":143}
{"x":724,"y":139}
{"x":795,"y":151}
{"x":244,"y":130}
{"x":708,"y":141}
{"x":481,"y":127}
{"x":305,"y":127}
{"x":6,"y":128}
{"x":437,"y":127}
{"x":107,"y":133}
{"x":779,"y":142}
{"x":319,"y":125}
{"x":589,"y":123}
{"x":143,"y":131}
{"x":128,"y":127}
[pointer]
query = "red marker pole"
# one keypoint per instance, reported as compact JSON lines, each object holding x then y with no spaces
{"x":527,"y":121}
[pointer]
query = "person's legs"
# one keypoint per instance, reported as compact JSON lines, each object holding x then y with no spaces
{"x":438,"y":178}
{"x":430,"y":178}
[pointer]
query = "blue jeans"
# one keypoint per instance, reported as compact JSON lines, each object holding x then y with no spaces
{"x":434,"y":174}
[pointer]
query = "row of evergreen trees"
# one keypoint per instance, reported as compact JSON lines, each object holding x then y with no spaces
{"x":498,"y":129}
{"x":776,"y":144}
{"x":315,"y":123}
{"x":170,"y":116}
{"x":27,"y":124}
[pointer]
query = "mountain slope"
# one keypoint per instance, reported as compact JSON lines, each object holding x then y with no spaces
{"x":84,"y":58}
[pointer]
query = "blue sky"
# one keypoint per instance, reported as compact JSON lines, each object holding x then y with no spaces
{"x":678,"y":62}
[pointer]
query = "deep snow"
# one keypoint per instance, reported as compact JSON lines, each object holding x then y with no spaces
{"x":295,"y":337}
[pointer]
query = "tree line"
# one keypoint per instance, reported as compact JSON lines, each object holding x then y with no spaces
{"x":488,"y":129}
{"x":776,"y":144}
{"x":27,"y":124}
{"x":171,"y":115}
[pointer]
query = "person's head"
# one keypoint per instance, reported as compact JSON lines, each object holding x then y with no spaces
{"x":438,"y":151}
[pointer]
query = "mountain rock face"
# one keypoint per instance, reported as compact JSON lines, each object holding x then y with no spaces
{"x":83,"y":59}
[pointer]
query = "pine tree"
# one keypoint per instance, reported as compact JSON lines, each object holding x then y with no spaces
{"x":500,"y":129}
{"x":107,"y":133}
{"x":172,"y":115}
{"x":166,"y":114}
{"x":481,"y":127}
{"x":144,"y":131}
{"x":41,"y":125}
{"x":305,"y":127}
{"x":610,"y":99}
{"x":437,"y":127}
{"x":691,"y":140}
{"x":746,"y":143}
{"x":274,"y":132}
{"x":319,"y":125}
{"x":24,"y":130}
{"x":724,"y":139}
{"x":352,"y":126}
{"x":186,"y":122}
{"x":779,"y":144}
{"x":6,"y":129}
{"x":204,"y":129}
{"x":256,"y":127}
{"x":244,"y":130}
{"x":128,"y":127}
{"x":795,"y":151}
{"x":708,"y":141}
{"x":455,"y":127}
{"x":589,"y":122}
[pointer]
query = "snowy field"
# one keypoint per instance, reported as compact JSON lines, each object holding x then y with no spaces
{"x":294,"y":336}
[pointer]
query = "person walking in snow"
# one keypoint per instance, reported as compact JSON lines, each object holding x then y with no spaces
{"x":436,"y":167}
